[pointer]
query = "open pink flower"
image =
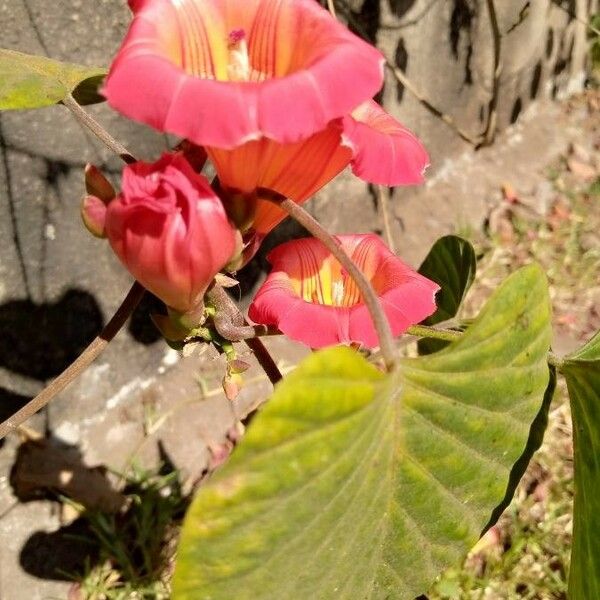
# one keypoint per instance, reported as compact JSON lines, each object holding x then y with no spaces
{"x":224,"y":72}
{"x":170,"y":230}
{"x":276,"y":91}
{"x":311,"y":299}
{"x":377,"y":146}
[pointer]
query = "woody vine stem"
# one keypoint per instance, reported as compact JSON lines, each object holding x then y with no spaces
{"x":137,"y":291}
{"x":372,"y":302}
{"x":231,"y":322}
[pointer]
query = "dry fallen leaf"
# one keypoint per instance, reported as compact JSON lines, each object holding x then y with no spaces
{"x":581,"y":170}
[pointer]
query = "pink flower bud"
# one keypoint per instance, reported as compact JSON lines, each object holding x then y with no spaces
{"x":93,"y":206}
{"x":93,"y":213}
{"x":170,"y":230}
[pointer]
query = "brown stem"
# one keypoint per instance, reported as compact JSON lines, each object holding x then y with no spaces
{"x":382,"y":326}
{"x":226,"y":306}
{"x":425,"y":331}
{"x":86,"y":119}
{"x":81,"y":363}
{"x":490,"y":130}
{"x":383,"y":197}
{"x":265,"y":359}
{"x":239,"y":333}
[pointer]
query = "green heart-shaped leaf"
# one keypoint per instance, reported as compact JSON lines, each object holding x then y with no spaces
{"x":582,"y":372}
{"x":352,"y":484}
{"x":28,"y":81}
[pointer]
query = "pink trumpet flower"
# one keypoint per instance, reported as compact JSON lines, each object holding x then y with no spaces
{"x":379,"y":149}
{"x":311,"y":299}
{"x":170,"y":230}
{"x":224,"y":72}
{"x":277,"y":91}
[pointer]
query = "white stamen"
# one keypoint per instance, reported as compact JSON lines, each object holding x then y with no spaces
{"x":238,"y":68}
{"x":337,"y":293}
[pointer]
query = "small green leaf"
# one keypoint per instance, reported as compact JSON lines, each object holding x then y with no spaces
{"x":582,"y":372}
{"x":352,"y":484}
{"x":452,"y":264}
{"x":28,"y":81}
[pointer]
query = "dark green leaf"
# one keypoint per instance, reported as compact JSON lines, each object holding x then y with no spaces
{"x":352,"y":484}
{"x":582,"y":372}
{"x":452,"y":264}
{"x":28,"y":81}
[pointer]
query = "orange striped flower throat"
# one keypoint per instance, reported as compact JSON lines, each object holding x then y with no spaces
{"x":325,"y":282}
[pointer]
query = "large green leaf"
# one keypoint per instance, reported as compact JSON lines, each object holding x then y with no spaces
{"x":28,"y":81}
{"x":452,"y":264}
{"x":351,"y":484}
{"x":582,"y":372}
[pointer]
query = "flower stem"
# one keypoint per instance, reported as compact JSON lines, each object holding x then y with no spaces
{"x":239,"y":333}
{"x":382,"y":326}
{"x":79,"y":365}
{"x":88,"y":121}
{"x":264,"y":358}
{"x":383,"y":200}
{"x":228,"y":311}
{"x":123,"y":312}
{"x":449,"y":335}
{"x":262,"y":354}
{"x":437,"y":334}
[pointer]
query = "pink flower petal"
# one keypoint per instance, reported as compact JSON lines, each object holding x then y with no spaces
{"x":385,"y":152}
{"x":311,"y":299}
{"x":306,"y":69}
{"x":276,"y":304}
{"x":296,"y":171}
{"x":410,"y":300}
{"x":170,"y":230}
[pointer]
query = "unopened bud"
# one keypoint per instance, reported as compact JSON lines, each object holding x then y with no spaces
{"x":97,"y":185}
{"x":232,"y":385}
{"x":93,"y":213}
{"x":170,"y":230}
{"x":237,"y":366}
